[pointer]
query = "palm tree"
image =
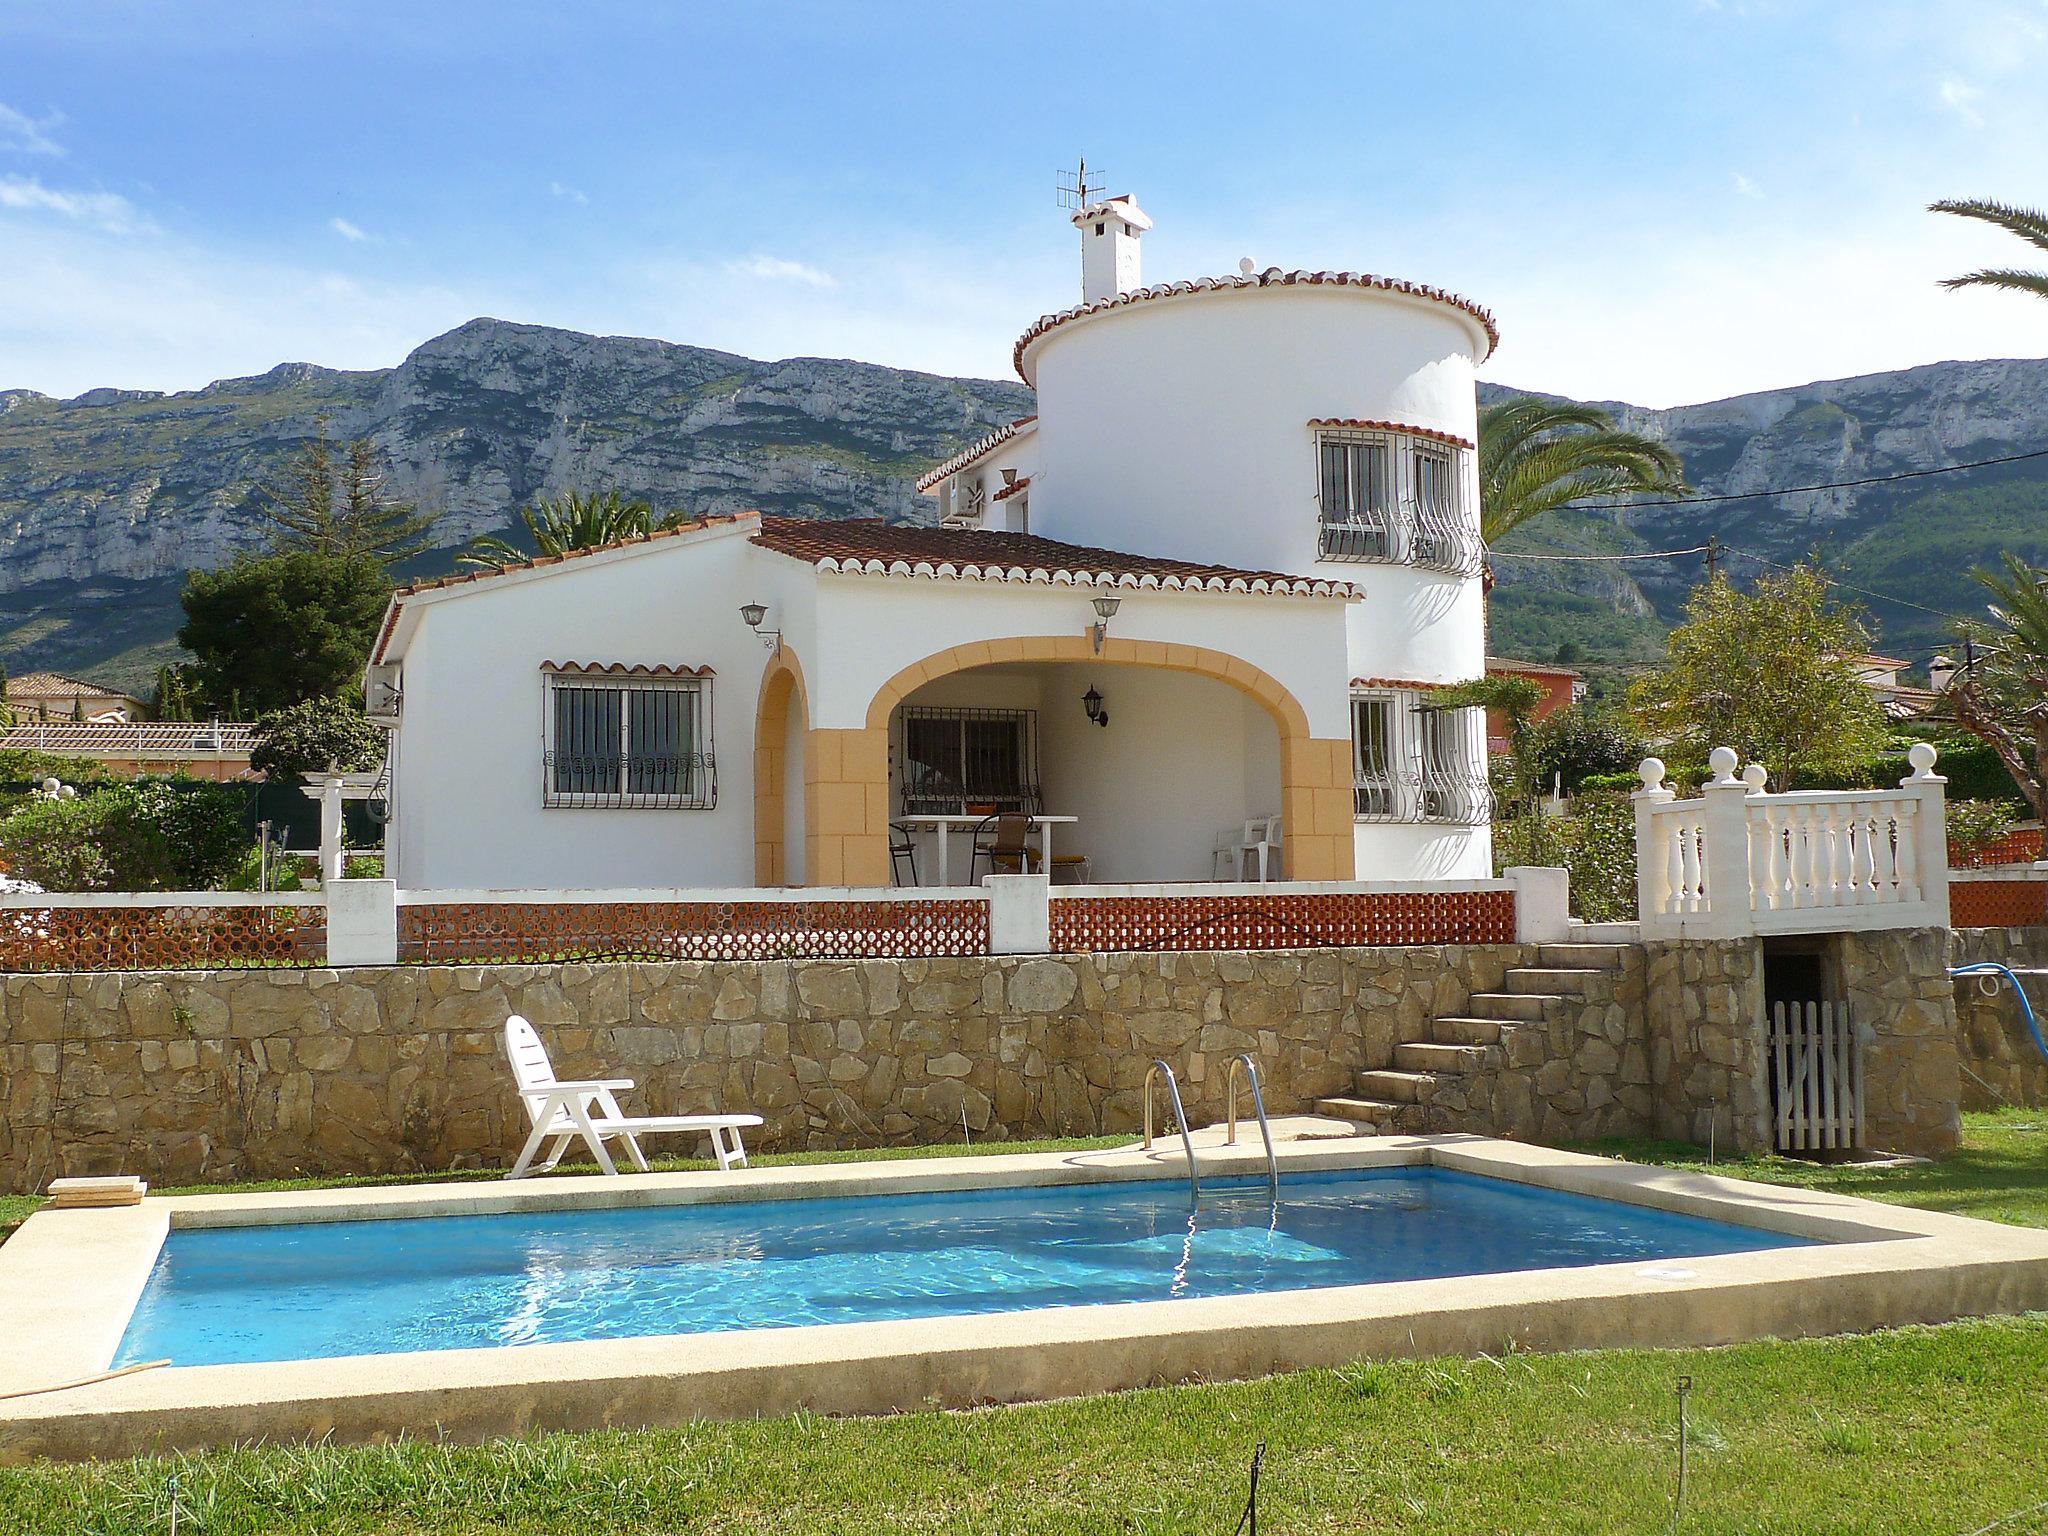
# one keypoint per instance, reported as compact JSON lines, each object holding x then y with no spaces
{"x":573,"y":521}
{"x":2029,"y":224}
{"x":2007,"y":678}
{"x":1537,"y":455}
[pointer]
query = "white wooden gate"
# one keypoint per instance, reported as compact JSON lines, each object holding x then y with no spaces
{"x":1817,"y":1069}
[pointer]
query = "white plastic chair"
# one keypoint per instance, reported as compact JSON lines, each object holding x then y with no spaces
{"x":1261,"y":847}
{"x":569,"y":1110}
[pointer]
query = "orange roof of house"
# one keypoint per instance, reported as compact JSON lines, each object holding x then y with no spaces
{"x":55,"y":685}
{"x":872,"y":547}
{"x":967,"y":456}
{"x":125,"y":740}
{"x":1534,"y":668}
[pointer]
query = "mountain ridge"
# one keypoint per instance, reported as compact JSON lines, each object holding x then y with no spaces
{"x":108,"y":497}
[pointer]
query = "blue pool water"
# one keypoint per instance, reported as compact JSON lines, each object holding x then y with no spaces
{"x":319,"y":1290}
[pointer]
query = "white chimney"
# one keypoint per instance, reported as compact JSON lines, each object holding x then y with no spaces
{"x":1940,"y":672}
{"x":1110,"y":231}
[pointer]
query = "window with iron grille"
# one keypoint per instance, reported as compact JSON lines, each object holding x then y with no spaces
{"x":1391,"y":498}
{"x":956,"y":759}
{"x":619,"y":744}
{"x":1412,"y":763}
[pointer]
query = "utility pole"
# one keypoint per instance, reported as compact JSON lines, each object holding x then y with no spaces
{"x":1713,"y":556}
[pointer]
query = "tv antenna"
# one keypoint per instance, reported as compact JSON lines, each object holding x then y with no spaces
{"x":1076,"y":191}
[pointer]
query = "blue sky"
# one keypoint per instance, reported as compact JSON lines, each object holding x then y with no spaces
{"x":1661,"y":200}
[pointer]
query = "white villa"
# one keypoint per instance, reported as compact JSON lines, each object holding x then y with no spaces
{"x":1214,"y":580}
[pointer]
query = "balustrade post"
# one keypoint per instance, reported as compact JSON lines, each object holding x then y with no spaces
{"x":1653,"y":875}
{"x":330,"y":827}
{"x":1724,"y":838}
{"x":1930,"y":830}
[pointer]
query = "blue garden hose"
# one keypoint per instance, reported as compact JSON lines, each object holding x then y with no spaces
{"x":1993,"y":968}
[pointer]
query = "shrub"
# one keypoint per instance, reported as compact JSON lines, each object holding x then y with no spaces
{"x":300,"y":741}
{"x":1596,"y":844}
{"x":1974,"y":825}
{"x":1574,"y":744}
{"x":156,"y":835}
{"x":363,"y":866}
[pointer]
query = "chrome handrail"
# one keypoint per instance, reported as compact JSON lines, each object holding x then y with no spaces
{"x":1180,"y":1117}
{"x":1251,"y":1069}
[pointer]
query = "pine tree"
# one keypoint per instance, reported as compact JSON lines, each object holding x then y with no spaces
{"x":323,"y":507}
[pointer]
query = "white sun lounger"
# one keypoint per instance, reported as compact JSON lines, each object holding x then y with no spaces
{"x":569,"y":1110}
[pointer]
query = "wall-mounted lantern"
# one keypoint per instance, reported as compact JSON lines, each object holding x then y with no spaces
{"x":754,"y":614}
{"x":1105,"y":609}
{"x":1092,"y":702}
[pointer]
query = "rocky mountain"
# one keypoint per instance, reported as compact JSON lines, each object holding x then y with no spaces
{"x":1907,"y":544}
{"x":107,"y":499}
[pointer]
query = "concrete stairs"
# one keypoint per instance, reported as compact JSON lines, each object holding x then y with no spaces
{"x":1395,"y":1099}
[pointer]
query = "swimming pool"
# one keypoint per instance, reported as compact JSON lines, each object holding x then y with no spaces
{"x":320,"y":1290}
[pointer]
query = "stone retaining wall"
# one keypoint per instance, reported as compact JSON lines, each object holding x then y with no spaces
{"x":2000,"y":1065}
{"x":184,"y":1076}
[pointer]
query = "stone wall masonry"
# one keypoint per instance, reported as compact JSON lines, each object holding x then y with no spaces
{"x":187,"y":1076}
{"x":1999,"y":1065}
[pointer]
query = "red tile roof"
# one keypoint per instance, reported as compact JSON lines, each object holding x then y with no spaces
{"x":1349,"y":424}
{"x":1012,"y":489}
{"x":123,"y":740}
{"x":55,"y":685}
{"x":967,"y":456}
{"x":872,"y":547}
{"x":1272,"y":277}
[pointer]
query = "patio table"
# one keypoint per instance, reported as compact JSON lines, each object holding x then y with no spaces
{"x":943,"y":824}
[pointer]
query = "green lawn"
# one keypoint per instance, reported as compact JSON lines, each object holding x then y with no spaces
{"x":1926,"y":1430}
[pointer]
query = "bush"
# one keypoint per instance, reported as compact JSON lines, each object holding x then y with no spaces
{"x":1575,"y":744}
{"x":1974,"y":825}
{"x":157,"y":835}
{"x":363,"y":866}
{"x":1596,"y":844}
{"x":1972,"y":769}
{"x":300,"y":741}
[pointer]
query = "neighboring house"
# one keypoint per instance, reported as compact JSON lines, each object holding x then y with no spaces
{"x":1562,"y":688}
{"x":1901,"y":701}
{"x":53,"y":696}
{"x":1216,"y":577}
{"x":217,"y":750}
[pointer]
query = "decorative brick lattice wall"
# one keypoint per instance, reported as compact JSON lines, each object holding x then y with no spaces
{"x":161,"y":938}
{"x":1998,"y":903}
{"x":1280,"y":920}
{"x":669,"y":930}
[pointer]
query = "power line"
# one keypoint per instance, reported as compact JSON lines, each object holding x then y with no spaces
{"x":1648,"y":554}
{"x":1795,"y":490}
{"x":1881,"y":597}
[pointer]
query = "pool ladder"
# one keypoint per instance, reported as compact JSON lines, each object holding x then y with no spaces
{"x":1159,"y":1069}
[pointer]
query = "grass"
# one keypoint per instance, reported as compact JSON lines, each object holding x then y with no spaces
{"x":1922,"y":1430}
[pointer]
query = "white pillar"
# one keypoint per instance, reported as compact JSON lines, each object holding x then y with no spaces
{"x":1019,"y":914}
{"x":1543,"y":906}
{"x":362,"y":922}
{"x":1930,"y":829}
{"x":1724,"y":839}
{"x":330,"y":828}
{"x":1653,"y":887}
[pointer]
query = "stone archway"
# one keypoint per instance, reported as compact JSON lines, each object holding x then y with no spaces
{"x":782,"y":687}
{"x":847,"y":771}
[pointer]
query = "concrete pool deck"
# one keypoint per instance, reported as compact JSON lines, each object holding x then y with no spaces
{"x":70,"y":1279}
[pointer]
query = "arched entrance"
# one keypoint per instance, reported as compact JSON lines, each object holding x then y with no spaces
{"x":847,"y":771}
{"x":781,"y":725}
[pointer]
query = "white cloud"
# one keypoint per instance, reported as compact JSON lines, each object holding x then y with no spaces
{"x":28,"y":135}
{"x":1961,"y":98}
{"x":567,"y":193}
{"x":1747,"y":187}
{"x":778,"y":269}
{"x":103,"y":210}
{"x":353,"y":233}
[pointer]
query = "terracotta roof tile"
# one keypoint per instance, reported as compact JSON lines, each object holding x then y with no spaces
{"x":967,"y":456}
{"x":1272,"y":277}
{"x":1349,"y":424}
{"x":873,"y":547}
{"x":117,"y":739}
{"x":55,"y":685}
{"x":1014,"y":488}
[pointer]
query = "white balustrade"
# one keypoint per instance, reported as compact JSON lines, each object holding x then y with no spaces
{"x":1739,"y":860}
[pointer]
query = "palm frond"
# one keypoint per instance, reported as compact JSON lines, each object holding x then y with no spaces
{"x":2030,"y":224}
{"x":2002,"y":277}
{"x":1538,"y":455}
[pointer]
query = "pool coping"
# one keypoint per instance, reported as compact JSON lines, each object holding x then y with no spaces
{"x":69,"y":1281}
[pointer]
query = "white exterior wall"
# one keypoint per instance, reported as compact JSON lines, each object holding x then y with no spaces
{"x":468,"y":770}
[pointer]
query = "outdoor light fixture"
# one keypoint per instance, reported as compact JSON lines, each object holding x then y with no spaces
{"x":1105,"y":608}
{"x":753,"y":614}
{"x":1092,"y":701}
